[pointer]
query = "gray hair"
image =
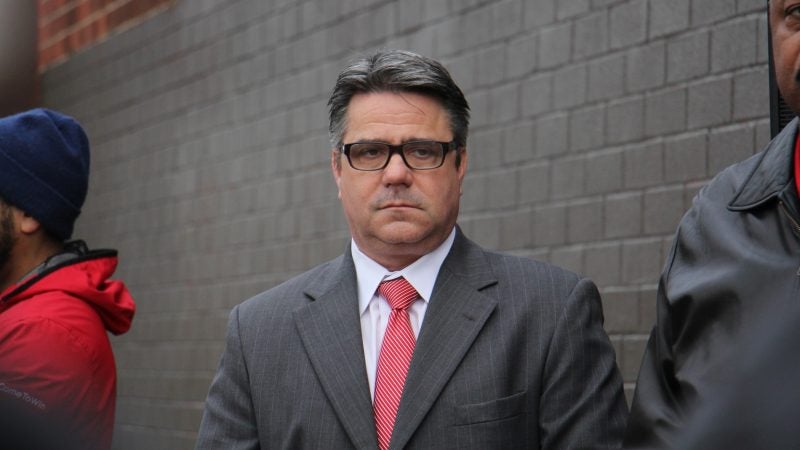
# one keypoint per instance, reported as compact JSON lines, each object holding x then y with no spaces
{"x":398,"y":71}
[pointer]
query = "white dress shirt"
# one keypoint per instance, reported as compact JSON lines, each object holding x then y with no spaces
{"x":375,"y":309}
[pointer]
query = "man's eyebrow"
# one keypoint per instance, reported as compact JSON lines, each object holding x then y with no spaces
{"x":404,"y":141}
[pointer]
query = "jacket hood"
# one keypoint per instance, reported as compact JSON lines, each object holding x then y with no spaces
{"x":86,"y":277}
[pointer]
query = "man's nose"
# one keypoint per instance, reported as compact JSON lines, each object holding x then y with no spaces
{"x":396,"y":169}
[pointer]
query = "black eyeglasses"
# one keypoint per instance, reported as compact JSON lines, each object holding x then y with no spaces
{"x":417,"y":155}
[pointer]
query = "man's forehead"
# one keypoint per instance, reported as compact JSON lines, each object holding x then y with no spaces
{"x":393,"y":107}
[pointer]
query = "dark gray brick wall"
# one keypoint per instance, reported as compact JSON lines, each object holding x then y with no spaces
{"x":595,"y":122}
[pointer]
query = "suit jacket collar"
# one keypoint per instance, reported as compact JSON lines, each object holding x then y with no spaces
{"x":330,"y":330}
{"x":331,"y":333}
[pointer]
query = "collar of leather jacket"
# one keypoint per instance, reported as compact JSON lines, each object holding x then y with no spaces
{"x":771,"y":174}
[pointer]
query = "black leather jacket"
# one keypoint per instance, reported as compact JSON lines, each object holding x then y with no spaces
{"x":735,"y":255}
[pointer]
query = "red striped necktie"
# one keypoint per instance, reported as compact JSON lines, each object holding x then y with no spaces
{"x":395,"y":357}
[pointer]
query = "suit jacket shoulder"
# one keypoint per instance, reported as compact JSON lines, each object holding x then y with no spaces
{"x":520,"y":278}
{"x":292,"y":294}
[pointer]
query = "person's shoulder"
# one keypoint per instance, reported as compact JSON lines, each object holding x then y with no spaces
{"x":765,"y":171}
{"x":530,"y":287}
{"x":57,"y":312}
{"x":475,"y":258}
{"x":526,"y":262}
{"x":71,"y":353}
{"x":517,"y":268}
{"x":290,"y":294}
{"x":726,"y":183}
{"x":739,"y":187}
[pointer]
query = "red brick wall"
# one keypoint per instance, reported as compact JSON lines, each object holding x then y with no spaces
{"x":66,"y":26}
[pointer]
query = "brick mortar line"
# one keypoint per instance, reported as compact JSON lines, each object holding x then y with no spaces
{"x":58,"y":12}
{"x":73,"y":26}
{"x":93,"y":18}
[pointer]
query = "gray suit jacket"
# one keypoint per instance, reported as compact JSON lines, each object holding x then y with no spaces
{"x":511,"y":354}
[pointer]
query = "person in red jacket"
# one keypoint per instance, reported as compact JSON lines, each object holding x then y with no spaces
{"x":57,"y":301}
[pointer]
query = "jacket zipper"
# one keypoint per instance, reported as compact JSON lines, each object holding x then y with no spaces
{"x":794,"y":223}
{"x":791,"y":218}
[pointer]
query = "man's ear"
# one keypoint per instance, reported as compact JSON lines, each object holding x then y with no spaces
{"x":27,"y":224}
{"x":463,"y":163}
{"x":336,"y":168}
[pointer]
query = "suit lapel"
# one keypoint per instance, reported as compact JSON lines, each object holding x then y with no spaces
{"x":456,"y":313}
{"x":331,"y":333}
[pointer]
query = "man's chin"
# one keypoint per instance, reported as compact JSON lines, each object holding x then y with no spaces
{"x":400,"y":234}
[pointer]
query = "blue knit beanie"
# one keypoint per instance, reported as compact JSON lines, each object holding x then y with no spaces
{"x":44,"y":167}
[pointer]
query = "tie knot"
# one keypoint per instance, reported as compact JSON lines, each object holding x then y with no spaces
{"x":398,"y":292}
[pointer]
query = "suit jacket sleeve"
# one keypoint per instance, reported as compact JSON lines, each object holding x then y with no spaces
{"x":582,"y":404}
{"x":229,"y":420}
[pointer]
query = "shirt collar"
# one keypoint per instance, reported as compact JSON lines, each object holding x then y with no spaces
{"x":421,"y":273}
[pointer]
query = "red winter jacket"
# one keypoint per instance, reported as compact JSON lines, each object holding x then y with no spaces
{"x":55,"y":356}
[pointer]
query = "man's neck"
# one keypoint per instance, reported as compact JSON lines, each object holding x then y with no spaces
{"x":25,"y":257}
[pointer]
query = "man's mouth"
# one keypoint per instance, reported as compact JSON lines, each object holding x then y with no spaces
{"x":397,"y":205}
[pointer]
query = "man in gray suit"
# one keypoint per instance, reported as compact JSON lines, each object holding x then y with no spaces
{"x":488,"y":350}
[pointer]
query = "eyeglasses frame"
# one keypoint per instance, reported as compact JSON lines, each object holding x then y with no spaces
{"x":398,"y":149}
